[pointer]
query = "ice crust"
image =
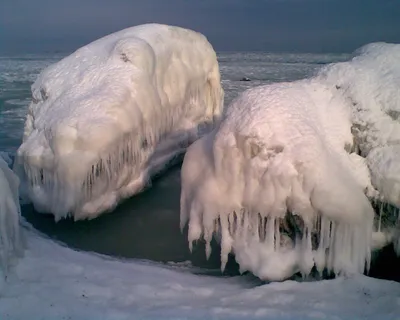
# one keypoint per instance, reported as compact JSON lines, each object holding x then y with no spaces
{"x":370,"y":83}
{"x":106,"y":118}
{"x":286,"y":182}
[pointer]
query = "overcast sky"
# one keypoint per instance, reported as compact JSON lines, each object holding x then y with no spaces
{"x":231,"y":25}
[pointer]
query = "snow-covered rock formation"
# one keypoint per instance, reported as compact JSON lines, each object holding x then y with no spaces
{"x":286,"y":180}
{"x":106,"y":118}
{"x":10,"y":232}
{"x":370,"y":84}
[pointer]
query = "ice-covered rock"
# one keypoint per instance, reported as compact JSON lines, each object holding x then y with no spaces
{"x":288,"y":179}
{"x":106,"y":118}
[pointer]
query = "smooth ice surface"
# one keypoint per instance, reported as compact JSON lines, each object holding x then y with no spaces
{"x":10,"y":233}
{"x":54,"y":282}
{"x":106,"y":118}
{"x":286,"y":180}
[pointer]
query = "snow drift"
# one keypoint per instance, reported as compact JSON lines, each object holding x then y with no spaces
{"x":10,"y":233}
{"x":286,"y":181}
{"x":106,"y":118}
{"x":55,"y":282}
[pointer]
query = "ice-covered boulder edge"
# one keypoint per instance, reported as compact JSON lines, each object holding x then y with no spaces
{"x":285,"y":148}
{"x":370,"y":84}
{"x":276,"y":151}
{"x":11,"y":240}
{"x":106,"y":118}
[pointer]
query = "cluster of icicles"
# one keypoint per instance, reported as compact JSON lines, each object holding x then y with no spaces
{"x":122,"y":160}
{"x":112,"y":168}
{"x":328,"y":245}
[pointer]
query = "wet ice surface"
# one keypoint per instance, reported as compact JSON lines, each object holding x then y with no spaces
{"x":264,"y":68}
{"x":16,"y":76}
{"x":143,"y":227}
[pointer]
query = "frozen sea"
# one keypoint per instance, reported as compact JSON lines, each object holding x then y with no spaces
{"x":158,"y":276}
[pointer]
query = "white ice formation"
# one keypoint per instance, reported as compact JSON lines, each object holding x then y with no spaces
{"x":106,"y":118}
{"x":287,"y":180}
{"x":10,"y":232}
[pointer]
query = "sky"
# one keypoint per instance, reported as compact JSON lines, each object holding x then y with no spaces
{"x":230,"y":25}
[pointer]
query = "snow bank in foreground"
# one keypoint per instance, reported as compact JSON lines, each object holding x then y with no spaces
{"x":112,"y":114}
{"x":10,"y":234}
{"x":54,"y":282}
{"x":279,"y":181}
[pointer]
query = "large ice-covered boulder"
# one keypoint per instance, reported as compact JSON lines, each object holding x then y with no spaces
{"x":272,"y":178}
{"x":10,"y":233}
{"x":106,"y":118}
{"x":288,"y":179}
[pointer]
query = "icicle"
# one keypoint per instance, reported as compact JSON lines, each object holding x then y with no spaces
{"x":396,"y":242}
{"x":208,"y":230}
{"x":11,"y":239}
{"x":270,"y":234}
{"x":195,"y":225}
{"x":306,"y":258}
{"x":324,"y":228}
{"x":226,"y":242}
{"x":277,"y":236}
{"x":380,"y":216}
{"x":207,"y":238}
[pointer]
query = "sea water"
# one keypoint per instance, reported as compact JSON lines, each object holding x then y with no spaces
{"x":147,"y":225}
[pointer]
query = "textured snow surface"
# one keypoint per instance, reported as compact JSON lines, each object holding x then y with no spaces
{"x":10,"y":238}
{"x":54,"y":282}
{"x":370,"y":83}
{"x":106,"y":118}
{"x":287,"y":179}
{"x":276,"y":151}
